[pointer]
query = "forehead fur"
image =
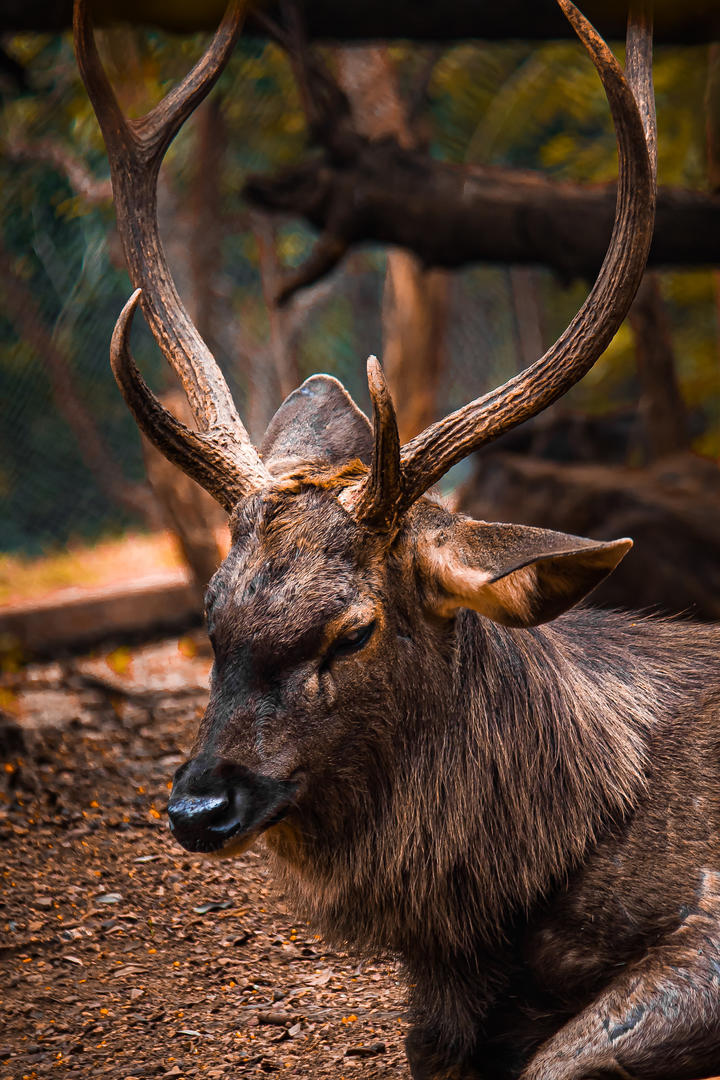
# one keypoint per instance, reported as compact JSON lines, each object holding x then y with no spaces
{"x":297,"y":519}
{"x":298,"y":560}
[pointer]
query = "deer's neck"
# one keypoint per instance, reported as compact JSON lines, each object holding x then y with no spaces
{"x":557,"y":722}
{"x":520,"y":754}
{"x":553,"y":747}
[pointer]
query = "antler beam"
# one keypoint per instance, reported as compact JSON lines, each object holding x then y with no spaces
{"x":430,"y":454}
{"x":135,"y":150}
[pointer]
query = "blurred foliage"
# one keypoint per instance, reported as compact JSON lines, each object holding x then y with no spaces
{"x":508,"y":105}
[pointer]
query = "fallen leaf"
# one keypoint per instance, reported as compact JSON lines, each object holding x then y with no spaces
{"x":129,"y":969}
{"x":119,"y":660}
{"x":320,"y":978}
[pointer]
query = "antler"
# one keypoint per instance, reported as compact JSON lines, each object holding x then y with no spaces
{"x":377,"y":504}
{"x":220,"y":456}
{"x":430,"y":454}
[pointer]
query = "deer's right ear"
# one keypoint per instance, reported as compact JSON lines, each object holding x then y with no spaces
{"x":318,"y":422}
{"x":513,"y":574}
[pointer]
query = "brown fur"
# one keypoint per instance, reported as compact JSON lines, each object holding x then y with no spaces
{"x":525,"y":816}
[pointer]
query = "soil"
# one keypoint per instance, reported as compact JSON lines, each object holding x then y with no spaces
{"x":122,"y":956}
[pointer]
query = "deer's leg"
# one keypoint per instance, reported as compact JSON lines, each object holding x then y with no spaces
{"x":424,"y":1057}
{"x":429,"y":1060}
{"x":658,"y":1020}
{"x":449,"y":998}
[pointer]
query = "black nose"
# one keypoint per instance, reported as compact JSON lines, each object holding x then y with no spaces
{"x":213,"y":800}
{"x":194,"y":813}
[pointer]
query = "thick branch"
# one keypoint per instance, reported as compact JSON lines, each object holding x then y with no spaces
{"x":692,"y":22}
{"x":450,"y":216}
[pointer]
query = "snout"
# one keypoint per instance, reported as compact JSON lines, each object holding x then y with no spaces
{"x":216,"y":804}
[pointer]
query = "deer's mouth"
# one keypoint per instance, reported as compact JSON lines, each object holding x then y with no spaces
{"x":219,"y":808}
{"x":239,"y":843}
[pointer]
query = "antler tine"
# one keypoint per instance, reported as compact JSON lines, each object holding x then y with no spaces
{"x":163,"y":122}
{"x":194,"y":452}
{"x":135,"y":151}
{"x":638,"y":72}
{"x":430,"y":454}
{"x":378,"y":498}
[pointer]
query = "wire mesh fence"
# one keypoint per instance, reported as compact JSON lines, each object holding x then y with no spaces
{"x":70,"y":456}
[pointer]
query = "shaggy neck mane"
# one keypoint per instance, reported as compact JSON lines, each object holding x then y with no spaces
{"x":541,"y":750}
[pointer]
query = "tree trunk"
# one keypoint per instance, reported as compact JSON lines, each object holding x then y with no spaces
{"x":188,"y":511}
{"x":206,"y":219}
{"x":661,"y":404}
{"x":415,"y":300}
{"x":415,"y":304}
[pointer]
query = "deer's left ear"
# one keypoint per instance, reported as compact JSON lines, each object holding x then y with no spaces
{"x":513,"y":574}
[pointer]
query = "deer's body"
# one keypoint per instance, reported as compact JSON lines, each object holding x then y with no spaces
{"x":524,"y":816}
{"x":527,"y":814}
{"x":593,"y":813}
{"x":624,"y":844}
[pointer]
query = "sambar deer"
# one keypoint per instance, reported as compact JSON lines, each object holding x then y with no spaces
{"x":520,"y":800}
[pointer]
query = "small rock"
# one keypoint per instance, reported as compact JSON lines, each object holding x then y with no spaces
{"x":274,"y":1016}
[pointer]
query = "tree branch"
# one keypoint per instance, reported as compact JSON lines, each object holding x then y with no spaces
{"x":693,"y":22}
{"x":451,"y":215}
{"x":83,"y":183}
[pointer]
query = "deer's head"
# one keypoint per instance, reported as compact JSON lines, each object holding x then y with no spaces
{"x":337,"y":601}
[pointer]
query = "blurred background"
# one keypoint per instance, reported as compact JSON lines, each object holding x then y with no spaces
{"x":522,"y":128}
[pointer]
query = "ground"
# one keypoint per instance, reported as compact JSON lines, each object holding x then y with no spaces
{"x":121,"y":955}
{"x":84,"y":567}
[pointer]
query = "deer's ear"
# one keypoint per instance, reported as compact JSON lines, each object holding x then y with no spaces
{"x":513,"y":574}
{"x":317,"y":422}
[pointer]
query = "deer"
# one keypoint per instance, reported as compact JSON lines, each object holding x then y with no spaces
{"x":450,"y":758}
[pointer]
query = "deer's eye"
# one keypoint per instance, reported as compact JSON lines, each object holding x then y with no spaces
{"x":352,"y":642}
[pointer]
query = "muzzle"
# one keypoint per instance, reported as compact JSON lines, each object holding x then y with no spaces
{"x":214,"y":801}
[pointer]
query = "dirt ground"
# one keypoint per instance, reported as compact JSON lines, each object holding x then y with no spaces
{"x":122,"y":956}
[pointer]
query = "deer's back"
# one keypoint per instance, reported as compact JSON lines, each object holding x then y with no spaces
{"x":651,"y":876}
